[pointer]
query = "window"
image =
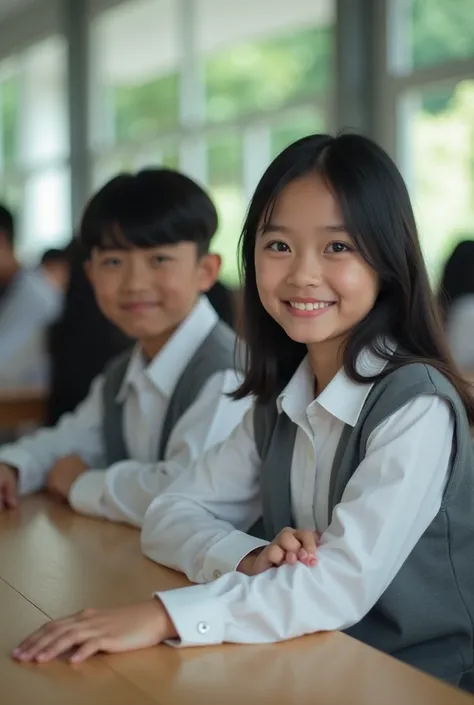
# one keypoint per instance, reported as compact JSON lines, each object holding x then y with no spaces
{"x":209,"y":92}
{"x":285,"y":54}
{"x":34,"y":151}
{"x":432,"y":32}
{"x":135,"y":63}
{"x":439,"y":126}
{"x":46,"y":218}
{"x":9,"y":114}
{"x":225,"y":178}
{"x":43,"y":119}
{"x":295,"y":125}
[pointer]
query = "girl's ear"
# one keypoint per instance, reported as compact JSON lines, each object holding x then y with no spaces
{"x":209,"y":266}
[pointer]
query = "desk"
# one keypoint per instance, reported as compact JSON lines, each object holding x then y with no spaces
{"x":22,"y":406}
{"x":53,"y":562}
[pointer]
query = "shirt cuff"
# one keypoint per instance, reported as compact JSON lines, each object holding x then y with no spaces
{"x":87,"y":492}
{"x":226,"y":554}
{"x":19,"y":459}
{"x":198,"y":619}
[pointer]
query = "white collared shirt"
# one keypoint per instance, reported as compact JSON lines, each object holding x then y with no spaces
{"x":198,"y":524}
{"x":124,"y":491}
{"x":31,"y":304}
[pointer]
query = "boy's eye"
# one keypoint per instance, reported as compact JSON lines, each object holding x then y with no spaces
{"x":336,"y":247}
{"x":160,"y":259}
{"x":277,"y":246}
{"x":111,"y":262}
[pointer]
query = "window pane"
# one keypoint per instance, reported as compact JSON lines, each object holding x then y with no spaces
{"x":158,"y":156}
{"x":11,"y":194}
{"x":9,"y":114}
{"x":225,"y":184}
{"x":107,"y":167}
{"x":294,"y":126}
{"x":43,"y":118}
{"x":440,"y":146}
{"x":46,"y":220}
{"x":286,"y":54}
{"x":135,"y":63}
{"x":440,"y":30}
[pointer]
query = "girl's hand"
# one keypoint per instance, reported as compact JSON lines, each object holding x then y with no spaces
{"x":290,"y":546}
{"x":90,"y":631}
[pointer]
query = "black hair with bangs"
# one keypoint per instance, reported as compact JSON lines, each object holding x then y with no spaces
{"x":151,"y":208}
{"x":377,"y":213}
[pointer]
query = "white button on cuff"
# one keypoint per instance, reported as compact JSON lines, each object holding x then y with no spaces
{"x":217,"y":574}
{"x":203,"y":627}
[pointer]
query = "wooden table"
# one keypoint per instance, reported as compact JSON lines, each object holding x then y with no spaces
{"x":53,"y":562}
{"x":22,"y":406}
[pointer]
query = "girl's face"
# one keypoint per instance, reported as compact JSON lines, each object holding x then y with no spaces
{"x":310,"y":277}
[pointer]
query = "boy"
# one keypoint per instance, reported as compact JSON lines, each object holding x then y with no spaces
{"x":147,"y":237}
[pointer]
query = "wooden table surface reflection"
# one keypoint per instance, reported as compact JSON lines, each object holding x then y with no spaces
{"x":53,"y":562}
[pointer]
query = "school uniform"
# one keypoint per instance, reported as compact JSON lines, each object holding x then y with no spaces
{"x":30,"y":304}
{"x":374,"y":510}
{"x":120,"y":435}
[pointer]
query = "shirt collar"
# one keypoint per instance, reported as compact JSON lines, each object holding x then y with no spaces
{"x":342,"y":397}
{"x":166,"y":368}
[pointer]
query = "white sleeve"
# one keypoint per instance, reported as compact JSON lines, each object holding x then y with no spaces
{"x":125,"y":491}
{"x":198,"y":525}
{"x":387,"y":505}
{"x":78,"y":433}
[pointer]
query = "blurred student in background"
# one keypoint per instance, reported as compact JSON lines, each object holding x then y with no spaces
{"x":29,"y":302}
{"x":456,"y":298}
{"x":55,"y":266}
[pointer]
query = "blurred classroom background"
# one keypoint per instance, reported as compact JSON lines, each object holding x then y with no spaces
{"x":217,"y":88}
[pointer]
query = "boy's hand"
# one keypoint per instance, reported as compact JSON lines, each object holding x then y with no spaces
{"x":88,"y":632}
{"x":63,"y":475}
{"x":8,"y":487}
{"x":290,"y":546}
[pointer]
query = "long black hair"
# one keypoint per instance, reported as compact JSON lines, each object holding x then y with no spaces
{"x":377,"y":213}
{"x":458,"y":276}
{"x":80,"y":343}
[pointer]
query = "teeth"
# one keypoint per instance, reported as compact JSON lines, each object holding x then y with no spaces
{"x":309,"y":307}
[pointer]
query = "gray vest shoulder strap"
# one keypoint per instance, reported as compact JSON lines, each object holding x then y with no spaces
{"x":216,"y":353}
{"x":386,"y":398}
{"x":275,"y":436}
{"x":112,"y":424}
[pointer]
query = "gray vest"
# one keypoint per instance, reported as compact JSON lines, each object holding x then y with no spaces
{"x":216,"y":353}
{"x":425,"y":616}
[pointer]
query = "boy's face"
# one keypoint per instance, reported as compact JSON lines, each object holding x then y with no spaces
{"x":148,"y":292}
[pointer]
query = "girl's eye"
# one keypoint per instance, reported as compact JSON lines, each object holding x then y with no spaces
{"x":277,"y":246}
{"x":337,"y":247}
